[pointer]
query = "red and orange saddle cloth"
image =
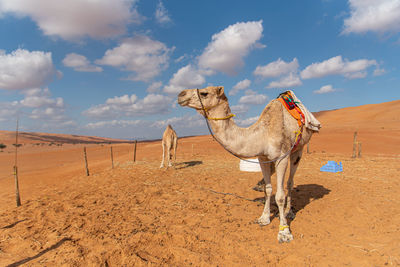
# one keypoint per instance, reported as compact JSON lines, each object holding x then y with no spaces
{"x":288,"y":102}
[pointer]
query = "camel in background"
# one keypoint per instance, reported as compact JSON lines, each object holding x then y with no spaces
{"x":270,"y":138}
{"x":169,"y":143}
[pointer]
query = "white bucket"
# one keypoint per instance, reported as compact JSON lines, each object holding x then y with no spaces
{"x":252,"y":166}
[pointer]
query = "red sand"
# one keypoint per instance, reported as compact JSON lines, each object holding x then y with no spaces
{"x":138,"y":214}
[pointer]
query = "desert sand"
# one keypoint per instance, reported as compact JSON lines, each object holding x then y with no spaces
{"x":202,"y":211}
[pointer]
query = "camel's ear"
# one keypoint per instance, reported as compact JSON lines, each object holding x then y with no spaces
{"x":220,"y":90}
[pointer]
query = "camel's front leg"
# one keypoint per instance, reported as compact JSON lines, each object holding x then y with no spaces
{"x":284,"y":234}
{"x":266,"y":170}
{"x":163,"y":155}
{"x":169,"y":156}
{"x":294,"y":163}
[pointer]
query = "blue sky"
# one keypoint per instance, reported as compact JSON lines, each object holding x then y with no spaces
{"x":113,"y":68}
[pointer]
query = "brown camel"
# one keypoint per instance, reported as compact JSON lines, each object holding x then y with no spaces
{"x":270,"y":138}
{"x":169,"y":144}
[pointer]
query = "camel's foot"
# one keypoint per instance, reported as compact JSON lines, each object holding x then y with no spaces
{"x":290,"y":215}
{"x":263,"y":220}
{"x":259,"y":186}
{"x":161,"y":166}
{"x":285,"y":235}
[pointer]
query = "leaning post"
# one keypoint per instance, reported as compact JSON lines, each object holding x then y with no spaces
{"x":86,"y":163}
{"x":354,"y":145}
{"x":17,"y":195}
{"x":134,"y":152}
{"x":112,"y":158}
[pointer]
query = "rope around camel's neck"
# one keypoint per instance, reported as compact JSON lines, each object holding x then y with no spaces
{"x":226,"y":126}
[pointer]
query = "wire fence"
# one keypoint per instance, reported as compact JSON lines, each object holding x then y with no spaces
{"x":95,"y":158}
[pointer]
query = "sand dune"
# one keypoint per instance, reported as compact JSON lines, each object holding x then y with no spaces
{"x":373,"y":117}
{"x":8,"y":137}
{"x":202,"y":211}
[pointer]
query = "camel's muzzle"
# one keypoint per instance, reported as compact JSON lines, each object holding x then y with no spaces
{"x":181,"y":98}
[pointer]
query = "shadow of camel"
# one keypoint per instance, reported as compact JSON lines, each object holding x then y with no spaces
{"x":187,"y":164}
{"x":56,"y":245}
{"x":13,"y":224}
{"x":302,"y":195}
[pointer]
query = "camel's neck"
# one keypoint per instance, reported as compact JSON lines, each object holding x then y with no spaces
{"x":245,"y":142}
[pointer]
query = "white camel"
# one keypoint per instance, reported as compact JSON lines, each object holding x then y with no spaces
{"x":271,"y":137}
{"x":169,"y":144}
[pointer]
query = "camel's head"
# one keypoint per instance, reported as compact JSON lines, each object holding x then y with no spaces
{"x":210,"y":97}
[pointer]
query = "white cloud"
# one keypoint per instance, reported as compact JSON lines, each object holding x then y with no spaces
{"x":181,"y":122}
{"x":181,"y":58}
{"x":154,"y":87}
{"x":48,"y":114}
{"x":122,"y":100}
{"x":8,"y":111}
{"x":44,"y":112}
{"x":45,"y":108}
{"x":74,"y":19}
{"x":253,"y":98}
{"x":145,"y":130}
{"x":291,"y":80}
{"x":38,"y":104}
{"x":141,"y":55}
{"x":277,"y":68}
{"x":113,"y":123}
{"x":356,"y":75}
{"x":247,"y":122}
{"x":379,"y":71}
{"x":373,"y":15}
{"x":325,"y":89}
{"x":337,"y":66}
{"x":38,"y":98}
{"x":22,"y":69}
{"x":239,"y":109}
{"x":185,"y":78}
{"x":240,"y":86}
{"x":80,"y":63}
{"x":130,"y":106}
{"x":161,"y":14}
{"x":227,"y":48}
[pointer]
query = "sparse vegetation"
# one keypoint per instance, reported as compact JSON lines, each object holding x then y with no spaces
{"x":2,"y":146}
{"x":17,"y":145}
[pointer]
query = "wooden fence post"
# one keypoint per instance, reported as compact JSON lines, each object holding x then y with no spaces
{"x":354,"y":145}
{"x":112,"y":158}
{"x":359,"y":149}
{"x":134,"y":152}
{"x":192,"y":150}
{"x":17,"y":195}
{"x":86,"y":163}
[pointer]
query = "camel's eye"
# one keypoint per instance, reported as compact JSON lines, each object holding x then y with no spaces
{"x":204,"y":94}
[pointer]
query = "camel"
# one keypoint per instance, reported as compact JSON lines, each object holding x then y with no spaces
{"x":169,"y":144}
{"x":271,"y":137}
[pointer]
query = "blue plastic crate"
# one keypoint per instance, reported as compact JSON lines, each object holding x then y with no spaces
{"x":332,"y":166}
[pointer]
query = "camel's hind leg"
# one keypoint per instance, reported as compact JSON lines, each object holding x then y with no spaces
{"x":163,"y":154}
{"x":294,"y":163}
{"x":284,"y":234}
{"x":169,"y":148}
{"x":267,"y":171}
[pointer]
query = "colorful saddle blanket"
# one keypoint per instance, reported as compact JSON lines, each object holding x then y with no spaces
{"x":288,"y":102}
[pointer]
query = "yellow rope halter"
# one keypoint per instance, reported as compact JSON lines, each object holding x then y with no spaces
{"x":215,"y":119}
{"x":224,"y":118}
